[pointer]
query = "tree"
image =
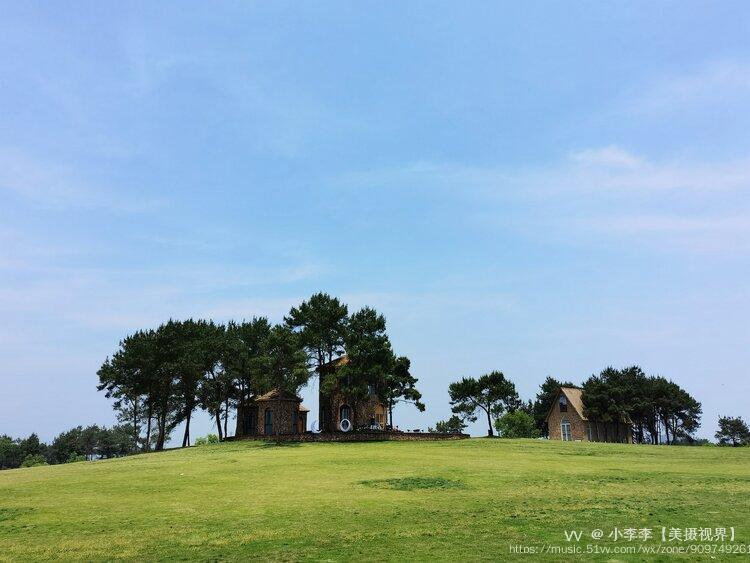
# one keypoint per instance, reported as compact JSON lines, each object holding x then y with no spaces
{"x":516,"y":424}
{"x":215,"y":385}
{"x":543,"y":403}
{"x":321,"y":322}
{"x":399,"y":385}
{"x":491,"y":393}
{"x":285,"y":361}
{"x":245,"y":353}
{"x":370,"y":357}
{"x":454,"y":425}
{"x":11,"y":453}
{"x":733,"y":430}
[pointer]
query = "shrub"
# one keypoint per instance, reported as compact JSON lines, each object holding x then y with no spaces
{"x":74,"y":458}
{"x":453,"y":424}
{"x":209,"y":439}
{"x":516,"y":424}
{"x":33,"y":460}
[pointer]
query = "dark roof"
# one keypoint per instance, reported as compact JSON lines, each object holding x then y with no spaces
{"x":279,"y":395}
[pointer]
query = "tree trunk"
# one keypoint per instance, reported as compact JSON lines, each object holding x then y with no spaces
{"x":390,"y":412}
{"x":136,"y":430}
{"x":186,"y":436}
{"x":490,"y":433}
{"x":147,"y":445}
{"x":218,"y":423}
{"x":161,"y":438}
{"x":226,"y":415}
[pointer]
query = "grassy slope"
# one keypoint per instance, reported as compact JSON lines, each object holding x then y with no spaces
{"x":245,"y":499}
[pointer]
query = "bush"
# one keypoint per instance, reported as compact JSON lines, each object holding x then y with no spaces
{"x":74,"y":458}
{"x":210,"y":439}
{"x":453,"y":425}
{"x":516,"y":424}
{"x":33,"y":460}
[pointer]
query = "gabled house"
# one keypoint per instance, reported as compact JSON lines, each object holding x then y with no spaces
{"x":277,"y":412}
{"x":567,"y":421}
{"x":339,"y":413}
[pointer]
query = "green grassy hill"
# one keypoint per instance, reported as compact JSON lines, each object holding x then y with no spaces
{"x":393,"y":500}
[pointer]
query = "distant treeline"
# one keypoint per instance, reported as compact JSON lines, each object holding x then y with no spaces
{"x":77,"y":444}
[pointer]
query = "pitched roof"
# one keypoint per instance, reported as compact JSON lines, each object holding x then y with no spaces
{"x":336,"y":362}
{"x":279,"y":395}
{"x":574,"y":397}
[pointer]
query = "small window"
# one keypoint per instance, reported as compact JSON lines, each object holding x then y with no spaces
{"x":345,"y":413}
{"x":565,"y":431}
{"x":563,"y":403}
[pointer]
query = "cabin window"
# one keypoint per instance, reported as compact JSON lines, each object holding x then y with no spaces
{"x":345,"y":413}
{"x":380,"y":415}
{"x":295,"y":422}
{"x":251,"y":421}
{"x":268,"y":422}
{"x":563,"y":403}
{"x":565,"y":431}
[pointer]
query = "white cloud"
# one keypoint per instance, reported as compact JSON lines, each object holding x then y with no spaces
{"x":50,"y":185}
{"x":713,"y":83}
{"x":603,"y":190}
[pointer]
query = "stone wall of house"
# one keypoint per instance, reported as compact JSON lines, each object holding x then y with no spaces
{"x":578,"y":426}
{"x":282,"y":419}
{"x":330,"y":410}
{"x":360,"y":437}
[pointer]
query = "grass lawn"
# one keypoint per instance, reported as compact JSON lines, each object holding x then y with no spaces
{"x":448,"y":500}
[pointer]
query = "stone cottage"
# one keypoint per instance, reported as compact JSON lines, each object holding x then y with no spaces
{"x":274,"y":413}
{"x":566,"y":421}
{"x":340,"y":413}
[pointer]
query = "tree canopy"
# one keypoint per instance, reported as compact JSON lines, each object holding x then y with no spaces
{"x":733,"y":431}
{"x":492,"y":394}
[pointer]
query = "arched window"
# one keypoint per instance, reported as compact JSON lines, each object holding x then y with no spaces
{"x":563,"y":403}
{"x":268,"y":422}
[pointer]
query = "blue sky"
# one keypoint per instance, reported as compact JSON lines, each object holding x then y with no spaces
{"x":541,"y":188}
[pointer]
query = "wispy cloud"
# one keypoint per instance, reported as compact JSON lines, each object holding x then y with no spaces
{"x":607,"y":190}
{"x":50,"y":185}
{"x":715,"y":82}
